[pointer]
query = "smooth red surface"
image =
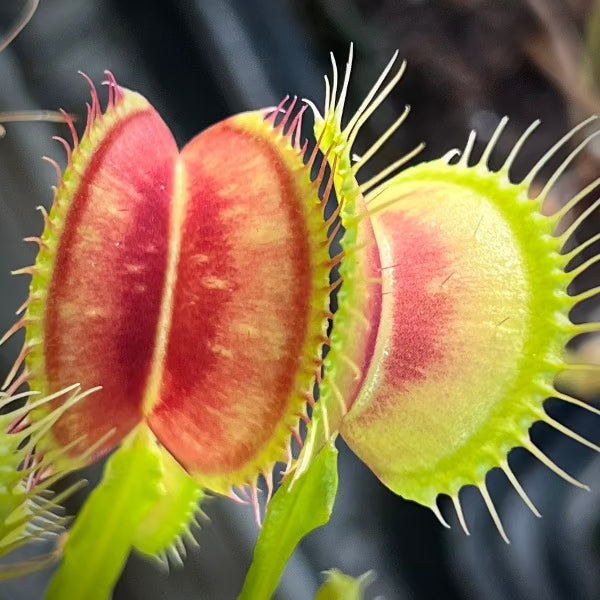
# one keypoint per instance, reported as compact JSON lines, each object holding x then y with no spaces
{"x":421,"y":309}
{"x":108,"y":281}
{"x":183,"y":285}
{"x":241,"y":303}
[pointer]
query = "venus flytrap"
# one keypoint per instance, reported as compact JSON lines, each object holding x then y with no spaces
{"x":157,"y":273}
{"x":468,"y":317}
{"x":190,"y":291}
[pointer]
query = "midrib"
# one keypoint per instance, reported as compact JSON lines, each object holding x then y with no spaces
{"x":179,"y":203}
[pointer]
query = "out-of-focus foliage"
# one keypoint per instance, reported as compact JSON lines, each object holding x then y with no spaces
{"x":343,"y":587}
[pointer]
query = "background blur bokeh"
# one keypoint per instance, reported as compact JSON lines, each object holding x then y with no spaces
{"x":470,"y":62}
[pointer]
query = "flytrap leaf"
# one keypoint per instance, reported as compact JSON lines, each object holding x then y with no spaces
{"x":471,"y":311}
{"x":293,"y":513}
{"x":360,"y":295}
{"x":164,"y":529}
{"x":105,"y":529}
{"x":160,"y":272}
{"x":195,"y":285}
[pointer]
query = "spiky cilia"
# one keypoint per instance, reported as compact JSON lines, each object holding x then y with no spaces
{"x":161,"y":276}
{"x":466,"y":313}
{"x":193,"y":287}
{"x":29,"y":510}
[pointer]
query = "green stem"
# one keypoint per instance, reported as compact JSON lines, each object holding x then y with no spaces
{"x":101,"y":539}
{"x":294,"y":512}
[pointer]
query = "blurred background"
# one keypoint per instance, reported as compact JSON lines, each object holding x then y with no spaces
{"x":469,"y":63}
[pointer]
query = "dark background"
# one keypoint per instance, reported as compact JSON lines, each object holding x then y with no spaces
{"x":470,"y":62}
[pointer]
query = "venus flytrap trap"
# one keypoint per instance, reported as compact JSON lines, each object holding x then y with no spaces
{"x":360,"y":294}
{"x":468,"y":315}
{"x":159,"y":272}
{"x":189,"y":290}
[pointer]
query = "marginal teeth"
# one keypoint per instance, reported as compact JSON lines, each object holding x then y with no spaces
{"x":460,"y":514}
{"x":472,"y":176}
{"x":552,"y":466}
{"x":492,"y":510}
{"x":515,"y":483}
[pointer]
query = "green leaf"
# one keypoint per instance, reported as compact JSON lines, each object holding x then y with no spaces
{"x":343,"y":587}
{"x":318,"y":435}
{"x":292,"y":514}
{"x":101,"y":539}
{"x":169,"y":520}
